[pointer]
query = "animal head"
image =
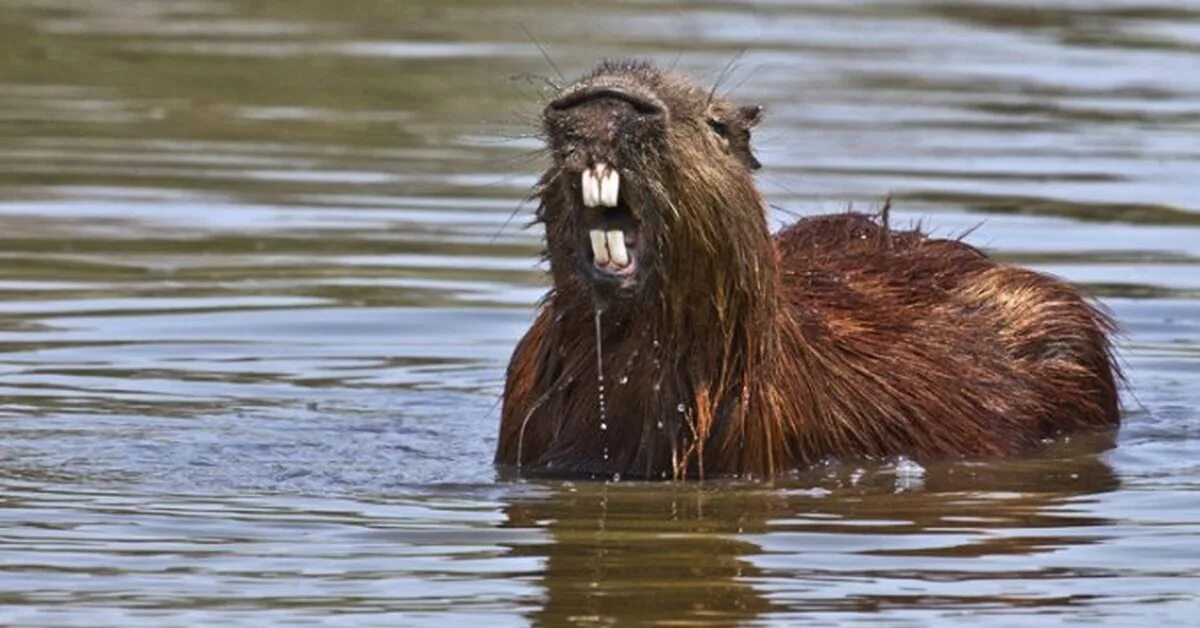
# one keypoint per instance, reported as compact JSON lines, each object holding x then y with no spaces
{"x":650,"y":187}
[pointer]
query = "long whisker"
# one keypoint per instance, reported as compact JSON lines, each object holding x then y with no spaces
{"x":531,"y":77}
{"x":725,"y":73}
{"x":545,"y":54}
{"x":508,"y":221}
{"x":741,"y":83}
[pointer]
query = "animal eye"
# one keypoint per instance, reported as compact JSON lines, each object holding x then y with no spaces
{"x":721,"y":128}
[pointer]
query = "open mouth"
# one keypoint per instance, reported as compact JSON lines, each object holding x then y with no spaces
{"x":612,"y":227}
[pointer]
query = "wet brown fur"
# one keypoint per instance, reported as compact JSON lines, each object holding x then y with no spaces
{"x":752,"y":355}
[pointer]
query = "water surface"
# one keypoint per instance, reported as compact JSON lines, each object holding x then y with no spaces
{"x":262,"y":266}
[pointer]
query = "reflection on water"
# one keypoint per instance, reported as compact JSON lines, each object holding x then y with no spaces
{"x":726,"y":554}
{"x":262,"y":265}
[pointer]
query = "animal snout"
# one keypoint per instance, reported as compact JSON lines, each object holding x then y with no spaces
{"x":596,"y":124}
{"x":609,"y":96}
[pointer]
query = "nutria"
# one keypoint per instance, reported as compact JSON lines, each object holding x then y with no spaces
{"x":681,"y":339}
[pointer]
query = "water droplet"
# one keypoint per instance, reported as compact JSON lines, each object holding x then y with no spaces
{"x":660,"y":425}
{"x":616,"y":477}
{"x":680,"y":407}
{"x":624,"y":379}
{"x":600,"y":380}
{"x":657,"y":387}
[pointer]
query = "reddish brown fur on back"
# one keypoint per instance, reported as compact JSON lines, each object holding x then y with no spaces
{"x":753,"y":355}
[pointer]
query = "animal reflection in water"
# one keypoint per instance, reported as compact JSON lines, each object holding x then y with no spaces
{"x":631,"y":553}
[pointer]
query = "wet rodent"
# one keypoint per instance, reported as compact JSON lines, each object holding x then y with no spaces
{"x":726,"y":350}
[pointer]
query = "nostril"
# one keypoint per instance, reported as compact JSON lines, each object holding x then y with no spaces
{"x":641,"y":104}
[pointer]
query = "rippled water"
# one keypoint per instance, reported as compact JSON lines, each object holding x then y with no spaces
{"x":260,"y":278}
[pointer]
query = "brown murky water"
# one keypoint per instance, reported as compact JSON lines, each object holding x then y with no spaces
{"x":259,"y":285}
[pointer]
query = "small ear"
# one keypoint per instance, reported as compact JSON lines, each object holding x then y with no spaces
{"x":750,"y":115}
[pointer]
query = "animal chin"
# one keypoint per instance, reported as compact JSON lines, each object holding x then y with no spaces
{"x":613,"y":235}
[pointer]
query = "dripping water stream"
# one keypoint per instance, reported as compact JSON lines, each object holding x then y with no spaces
{"x":600,"y":381}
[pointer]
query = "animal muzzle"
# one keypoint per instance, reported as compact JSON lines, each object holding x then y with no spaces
{"x":599,"y":132}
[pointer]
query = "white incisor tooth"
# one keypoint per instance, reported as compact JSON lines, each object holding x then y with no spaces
{"x":610,"y":183}
{"x":591,"y":188}
{"x":616,"y":248}
{"x":599,"y":246}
